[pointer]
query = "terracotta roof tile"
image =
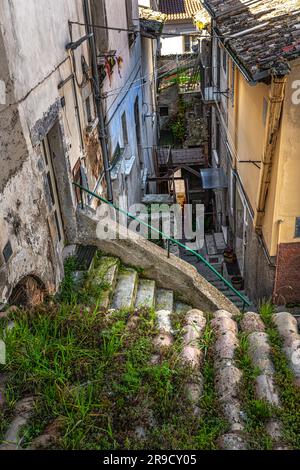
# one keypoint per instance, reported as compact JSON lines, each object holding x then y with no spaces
{"x":264,"y":35}
{"x":177,"y":10}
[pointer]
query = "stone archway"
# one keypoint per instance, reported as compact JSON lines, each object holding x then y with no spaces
{"x":29,"y":292}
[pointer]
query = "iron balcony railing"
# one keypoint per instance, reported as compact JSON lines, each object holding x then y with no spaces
{"x":244,"y":300}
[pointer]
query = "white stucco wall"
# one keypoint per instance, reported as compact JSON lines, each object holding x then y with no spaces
{"x":35,"y":34}
{"x":175,"y":44}
{"x":135,"y":80}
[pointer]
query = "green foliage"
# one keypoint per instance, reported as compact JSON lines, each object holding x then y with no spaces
{"x":178,"y":125}
{"x":266,"y":310}
{"x":289,"y":394}
{"x":256,"y":411}
{"x":68,"y":288}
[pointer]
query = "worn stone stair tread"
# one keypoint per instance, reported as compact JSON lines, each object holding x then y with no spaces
{"x":145,"y":296}
{"x":210,"y":244}
{"x":219,"y":241}
{"x":125,"y":291}
{"x":164,"y":300}
{"x":110,"y":279}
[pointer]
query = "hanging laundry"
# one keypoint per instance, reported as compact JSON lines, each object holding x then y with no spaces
{"x":120,"y":63}
{"x":109,"y":65}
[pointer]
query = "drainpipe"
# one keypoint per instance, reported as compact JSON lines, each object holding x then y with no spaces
{"x":99,"y":110}
{"x":276,"y":99}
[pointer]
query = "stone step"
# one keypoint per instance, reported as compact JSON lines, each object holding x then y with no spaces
{"x":164,"y":300}
{"x":220,"y":242}
{"x":145,"y":296}
{"x":107,"y":273}
{"x":210,"y":244}
{"x":125,"y":291}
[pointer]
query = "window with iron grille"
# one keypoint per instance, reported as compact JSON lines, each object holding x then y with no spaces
{"x":297,"y":227}
{"x":124,"y":129}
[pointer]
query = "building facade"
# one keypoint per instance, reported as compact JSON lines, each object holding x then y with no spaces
{"x":255,"y":139}
{"x":127,"y":61}
{"x":58,"y":126}
{"x":179,"y":33}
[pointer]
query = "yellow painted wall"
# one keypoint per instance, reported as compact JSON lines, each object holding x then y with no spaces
{"x":246,"y":133}
{"x":287,"y":199}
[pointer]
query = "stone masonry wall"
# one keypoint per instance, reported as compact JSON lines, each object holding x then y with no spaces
{"x":287,"y":284}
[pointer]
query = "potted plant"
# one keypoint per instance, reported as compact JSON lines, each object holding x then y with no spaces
{"x":229,"y":256}
{"x":237,"y":282}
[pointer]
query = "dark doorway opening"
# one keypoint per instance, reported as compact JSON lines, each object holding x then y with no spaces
{"x":29,"y":292}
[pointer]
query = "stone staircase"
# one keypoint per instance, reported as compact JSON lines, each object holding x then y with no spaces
{"x":216,"y":282}
{"x":117,"y":287}
{"x":126,"y":289}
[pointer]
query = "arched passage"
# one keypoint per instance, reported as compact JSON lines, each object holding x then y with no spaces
{"x":29,"y":292}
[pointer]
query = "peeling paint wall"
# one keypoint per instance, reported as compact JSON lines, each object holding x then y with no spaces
{"x":33,"y":62}
{"x":133,"y":80}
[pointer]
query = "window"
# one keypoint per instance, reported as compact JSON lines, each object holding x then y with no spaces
{"x":225,"y":61}
{"x":218,"y":59}
{"x":88,"y":109}
{"x":99,"y":16}
{"x":124,"y":129}
{"x":138,"y":128}
{"x":130,"y":24}
{"x":164,"y":111}
{"x":137,"y":121}
{"x":50,"y":151}
{"x":187,"y":44}
{"x":231,"y":192}
{"x":116,"y":155}
{"x":297,"y":227}
{"x":218,"y":138}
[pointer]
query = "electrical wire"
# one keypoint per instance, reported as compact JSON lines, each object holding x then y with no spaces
{"x":111,"y":92}
{"x":196,"y":33}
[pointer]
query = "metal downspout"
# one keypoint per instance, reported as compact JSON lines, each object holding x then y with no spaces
{"x":276,"y":99}
{"x":100,"y":115}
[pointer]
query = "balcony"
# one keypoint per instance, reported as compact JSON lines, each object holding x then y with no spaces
{"x":172,"y":158}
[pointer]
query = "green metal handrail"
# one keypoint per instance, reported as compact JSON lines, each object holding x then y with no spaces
{"x":173,"y":240}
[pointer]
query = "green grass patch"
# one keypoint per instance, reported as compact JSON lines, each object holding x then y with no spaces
{"x":289,"y":394}
{"x":257,"y":412}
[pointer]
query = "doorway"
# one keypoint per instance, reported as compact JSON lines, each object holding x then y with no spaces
{"x":241,"y":231}
{"x":49,"y":151}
